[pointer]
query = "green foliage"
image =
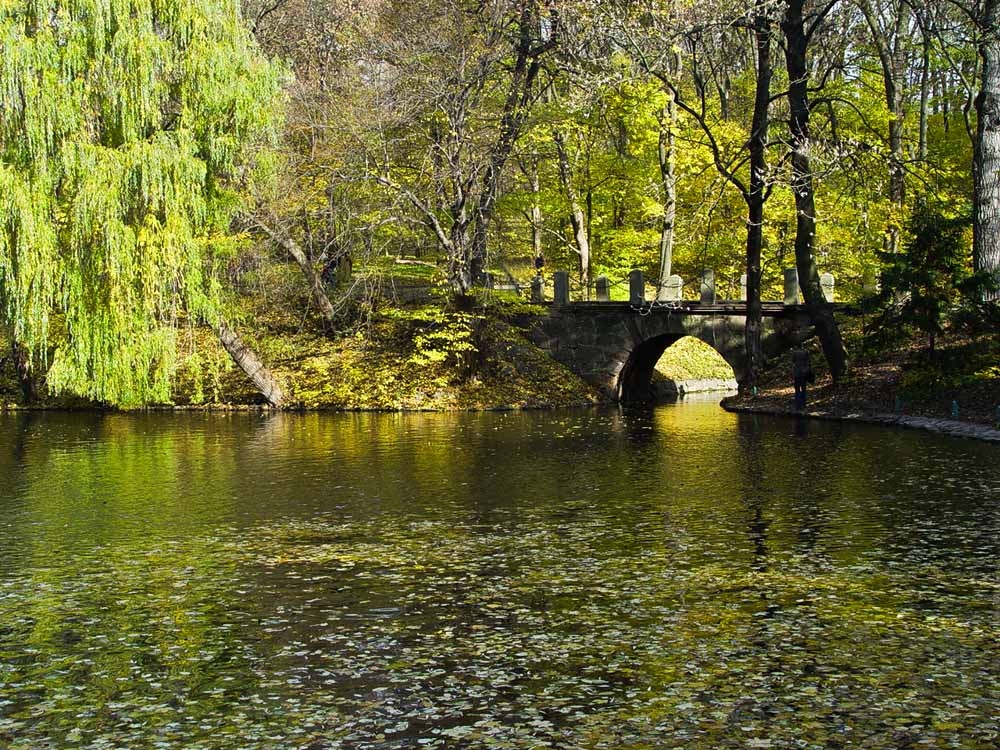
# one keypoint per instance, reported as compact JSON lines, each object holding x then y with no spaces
{"x":930,"y":272}
{"x":127,"y":131}
{"x":966,"y":364}
{"x":450,"y":339}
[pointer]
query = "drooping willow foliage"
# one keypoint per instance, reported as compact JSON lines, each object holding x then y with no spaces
{"x":127,"y":129}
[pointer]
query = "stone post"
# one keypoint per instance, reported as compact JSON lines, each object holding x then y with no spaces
{"x":708,"y":287}
{"x":671,"y":290}
{"x":636,"y":288}
{"x":537,"y":290}
{"x":791,"y":286}
{"x":663,"y":290}
{"x":560,"y":288}
{"x":826,"y":282}
{"x":603,"y":289}
{"x":743,"y":287}
{"x":676,"y":285}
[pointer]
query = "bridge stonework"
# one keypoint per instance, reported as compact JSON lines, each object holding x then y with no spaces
{"x":615,"y":346}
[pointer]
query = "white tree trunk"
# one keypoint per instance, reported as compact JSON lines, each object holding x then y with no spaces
{"x":986,"y":167}
{"x":577,"y":217}
{"x":668,"y":177}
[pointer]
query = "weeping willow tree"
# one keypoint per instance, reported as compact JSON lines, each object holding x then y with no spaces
{"x":127,"y":131}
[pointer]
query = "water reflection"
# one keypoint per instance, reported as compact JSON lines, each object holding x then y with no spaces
{"x":675,"y":576}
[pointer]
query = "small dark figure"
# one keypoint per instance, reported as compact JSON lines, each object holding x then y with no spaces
{"x":801,"y":375}
{"x":539,"y":264}
{"x":337,"y":270}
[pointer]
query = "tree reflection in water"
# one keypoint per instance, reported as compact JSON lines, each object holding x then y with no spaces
{"x":669,"y":577}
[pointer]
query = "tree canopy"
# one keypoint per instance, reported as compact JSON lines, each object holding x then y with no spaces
{"x":888,"y":124}
{"x":742,"y":136}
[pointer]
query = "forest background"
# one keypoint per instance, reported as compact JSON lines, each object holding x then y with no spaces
{"x":334,"y":180}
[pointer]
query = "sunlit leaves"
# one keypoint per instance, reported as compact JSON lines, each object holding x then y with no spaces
{"x":127,"y":126}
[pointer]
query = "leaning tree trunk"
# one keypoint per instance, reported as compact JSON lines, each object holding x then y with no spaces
{"x":250,"y":363}
{"x":757,"y":193}
{"x":796,"y":45}
{"x":986,"y":167}
{"x":305,"y":265}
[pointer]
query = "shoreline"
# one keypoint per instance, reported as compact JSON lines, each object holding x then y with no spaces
{"x":950,"y":427}
{"x":261,"y":408}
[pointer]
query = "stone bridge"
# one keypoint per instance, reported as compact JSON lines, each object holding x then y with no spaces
{"x":615,"y":345}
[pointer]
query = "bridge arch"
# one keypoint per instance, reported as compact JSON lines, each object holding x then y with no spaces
{"x":636,"y":377}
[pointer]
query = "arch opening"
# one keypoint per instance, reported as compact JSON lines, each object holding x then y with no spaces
{"x":666,"y":367}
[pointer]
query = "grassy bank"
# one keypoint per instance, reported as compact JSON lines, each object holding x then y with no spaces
{"x":400,"y":345}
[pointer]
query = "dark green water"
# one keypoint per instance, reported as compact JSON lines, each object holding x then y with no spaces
{"x":675,"y":578}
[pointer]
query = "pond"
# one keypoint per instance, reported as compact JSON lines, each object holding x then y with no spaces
{"x":673,"y":577}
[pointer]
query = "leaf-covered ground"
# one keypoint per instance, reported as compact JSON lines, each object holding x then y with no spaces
{"x":903,"y":379}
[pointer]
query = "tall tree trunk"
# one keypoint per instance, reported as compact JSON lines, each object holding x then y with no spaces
{"x":758,"y":190}
{"x":619,"y":207}
{"x":250,"y":363}
{"x":986,"y":167}
{"x":577,"y":216}
{"x":970,"y":71}
{"x":945,"y":103}
{"x":936,"y":92}
{"x":925,"y":87}
{"x":460,"y":268}
{"x":796,"y":47}
{"x":536,"y":209}
{"x":527,"y":53}
{"x":668,"y":177}
{"x":891,"y":47}
{"x":722,"y":87}
{"x":896,"y":100}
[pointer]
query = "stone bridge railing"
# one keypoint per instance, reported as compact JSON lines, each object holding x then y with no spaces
{"x":671,"y":291}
